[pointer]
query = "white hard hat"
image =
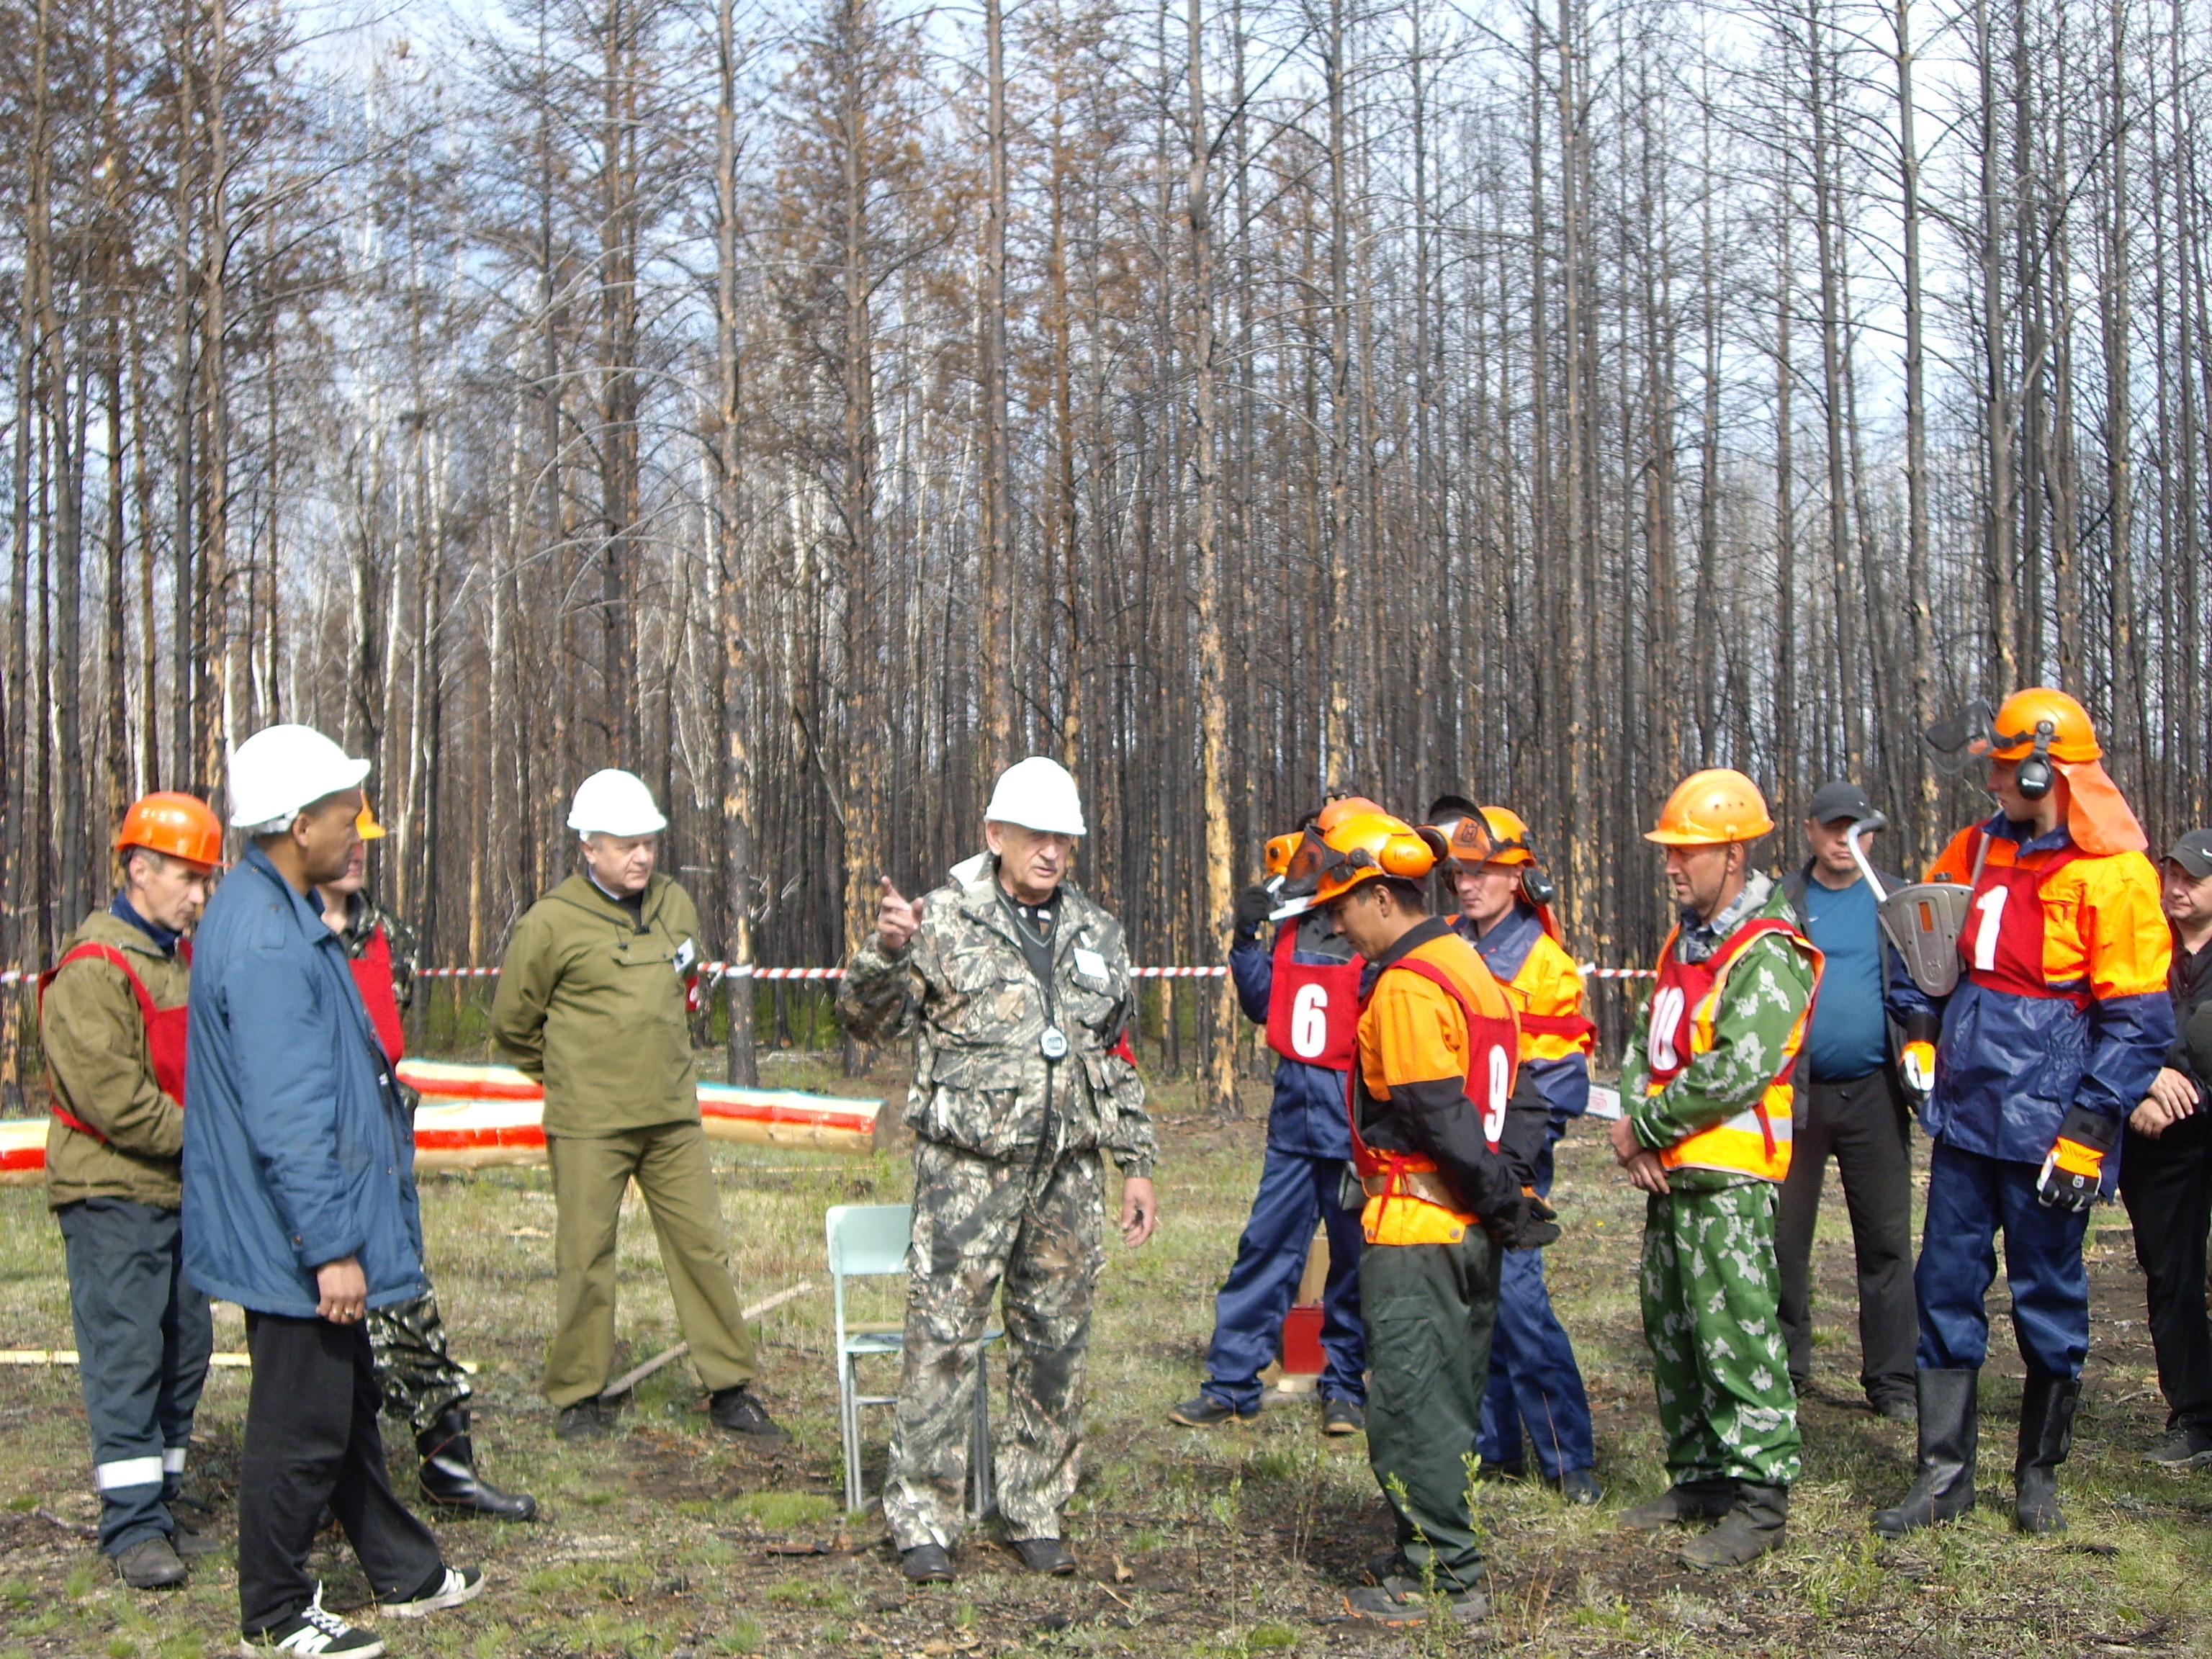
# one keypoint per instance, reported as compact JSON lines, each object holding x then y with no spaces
{"x":1038,"y":794}
{"x":281,"y":769}
{"x":615,"y":803}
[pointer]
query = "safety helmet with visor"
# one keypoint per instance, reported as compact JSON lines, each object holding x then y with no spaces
{"x":1362,"y":848}
{"x":2033,"y":728}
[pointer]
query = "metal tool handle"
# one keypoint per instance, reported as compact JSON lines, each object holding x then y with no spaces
{"x":1867,"y":826}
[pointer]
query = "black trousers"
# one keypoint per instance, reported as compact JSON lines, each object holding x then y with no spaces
{"x":1864,"y":1125}
{"x":2166,"y":1184}
{"x":312,"y":1443}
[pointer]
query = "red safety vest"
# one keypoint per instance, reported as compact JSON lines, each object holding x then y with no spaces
{"x":1493,"y":1044}
{"x":372,"y":974}
{"x":2001,"y":947}
{"x":1755,"y":1142}
{"x":1313,"y":1008}
{"x":166,"y":1028}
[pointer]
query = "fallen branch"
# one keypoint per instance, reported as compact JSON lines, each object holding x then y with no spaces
{"x":637,"y":1374}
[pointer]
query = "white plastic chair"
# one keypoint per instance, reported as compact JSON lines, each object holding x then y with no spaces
{"x":871,"y":1239}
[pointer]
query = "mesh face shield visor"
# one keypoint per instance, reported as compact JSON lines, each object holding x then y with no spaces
{"x":1969,"y":735}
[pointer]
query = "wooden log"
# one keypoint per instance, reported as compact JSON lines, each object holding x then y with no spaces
{"x":473,"y":1117}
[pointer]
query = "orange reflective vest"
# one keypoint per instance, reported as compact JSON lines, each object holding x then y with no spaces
{"x":1755,"y":1142}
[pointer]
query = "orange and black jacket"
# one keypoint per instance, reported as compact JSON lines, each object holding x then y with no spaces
{"x":1418,"y":1103}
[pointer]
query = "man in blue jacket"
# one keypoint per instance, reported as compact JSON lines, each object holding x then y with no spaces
{"x":1305,"y":990}
{"x":299,"y":1203}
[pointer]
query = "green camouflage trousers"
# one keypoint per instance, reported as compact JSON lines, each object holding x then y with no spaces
{"x":1035,"y":1230}
{"x":420,"y":1381}
{"x":1712,"y":1302}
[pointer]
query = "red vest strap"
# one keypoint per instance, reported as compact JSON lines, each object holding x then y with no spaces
{"x":166,"y":1028}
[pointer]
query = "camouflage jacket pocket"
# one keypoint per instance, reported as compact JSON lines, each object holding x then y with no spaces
{"x":989,"y":1123}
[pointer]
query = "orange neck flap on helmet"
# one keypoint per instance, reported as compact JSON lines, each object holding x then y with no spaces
{"x":2098,"y":816}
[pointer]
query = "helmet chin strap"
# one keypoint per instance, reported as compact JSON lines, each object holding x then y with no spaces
{"x":2033,"y":777}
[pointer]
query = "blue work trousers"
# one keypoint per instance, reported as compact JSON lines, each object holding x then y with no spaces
{"x":1295,"y":1192}
{"x":1535,"y":1386}
{"x":1970,"y":1198}
{"x":143,"y":1335}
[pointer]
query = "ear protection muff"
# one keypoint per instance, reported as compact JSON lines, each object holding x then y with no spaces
{"x":1539,"y":888}
{"x":1411,"y":856}
{"x":2033,"y":776}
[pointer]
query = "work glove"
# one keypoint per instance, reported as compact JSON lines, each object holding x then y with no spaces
{"x":1916,"y":1061}
{"x":2073,"y":1169}
{"x":1523,"y":1222}
{"x":1254,"y":905}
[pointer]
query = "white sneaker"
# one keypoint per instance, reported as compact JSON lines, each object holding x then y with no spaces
{"x":458,"y":1585}
{"x":312,"y":1631}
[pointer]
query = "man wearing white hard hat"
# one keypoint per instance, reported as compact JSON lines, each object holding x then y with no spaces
{"x":299,"y":1202}
{"x":594,"y":1001}
{"x":1017,"y":992}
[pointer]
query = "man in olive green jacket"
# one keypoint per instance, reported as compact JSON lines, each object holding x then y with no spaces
{"x":594,"y":1002}
{"x":111,"y":1022}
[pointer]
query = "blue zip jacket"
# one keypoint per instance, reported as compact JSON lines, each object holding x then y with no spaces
{"x":1307,"y":1116}
{"x":2009,"y":1066}
{"x":297,"y":1147}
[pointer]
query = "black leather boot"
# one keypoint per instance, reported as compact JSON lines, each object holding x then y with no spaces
{"x":1950,"y":1428}
{"x":2047,"y":1406}
{"x":449,"y":1472}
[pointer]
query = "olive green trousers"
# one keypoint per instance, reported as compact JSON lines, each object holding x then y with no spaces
{"x":670,"y":1164}
{"x":1430,"y":1310}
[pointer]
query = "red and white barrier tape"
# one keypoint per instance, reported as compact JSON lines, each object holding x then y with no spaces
{"x":747,"y":970}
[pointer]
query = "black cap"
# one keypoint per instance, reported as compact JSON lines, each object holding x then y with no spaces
{"x":1840,"y":800}
{"x":2193,"y":853}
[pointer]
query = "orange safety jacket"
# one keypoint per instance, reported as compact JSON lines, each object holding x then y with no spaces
{"x":1468,"y":1032}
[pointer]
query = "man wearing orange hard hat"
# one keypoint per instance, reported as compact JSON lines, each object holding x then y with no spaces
{"x":1304,"y":989}
{"x":1536,"y":1388}
{"x":1705,"y":1099}
{"x":1443,"y":1144}
{"x":111,"y":1018}
{"x":2049,"y":1027}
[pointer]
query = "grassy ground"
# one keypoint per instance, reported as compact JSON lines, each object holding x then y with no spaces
{"x":668,"y":1541}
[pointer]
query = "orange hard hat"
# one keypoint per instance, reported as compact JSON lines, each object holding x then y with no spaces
{"x":2019,"y":723}
{"x":1347,"y":806}
{"x":183,"y":826}
{"x":1466,"y":840}
{"x":365,"y":824}
{"x":1509,"y":837}
{"x":1361,"y":848}
{"x":1711,"y":809}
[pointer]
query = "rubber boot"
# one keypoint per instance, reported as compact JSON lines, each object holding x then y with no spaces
{"x":2047,"y":1406}
{"x":1691,"y":1500}
{"x":1950,"y":1428}
{"x":1754,"y":1526}
{"x":449,"y":1476}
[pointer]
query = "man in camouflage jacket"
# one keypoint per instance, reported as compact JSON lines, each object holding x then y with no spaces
{"x":1016,"y":992}
{"x":1705,"y":1132}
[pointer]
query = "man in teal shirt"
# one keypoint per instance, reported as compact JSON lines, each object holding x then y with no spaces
{"x":1851,"y":1104}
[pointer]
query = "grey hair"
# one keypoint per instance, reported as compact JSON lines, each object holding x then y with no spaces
{"x":273,"y":827}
